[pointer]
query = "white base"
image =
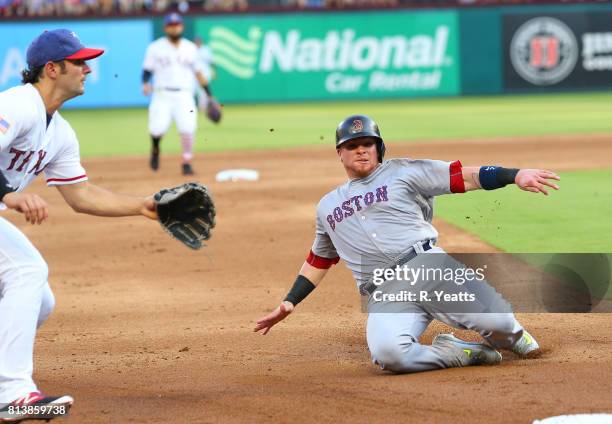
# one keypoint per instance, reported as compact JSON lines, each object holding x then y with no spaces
{"x":577,"y":419}
{"x":237,"y":175}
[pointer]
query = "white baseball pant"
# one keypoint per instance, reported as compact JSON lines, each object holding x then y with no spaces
{"x":26,"y":301}
{"x":167,"y":106}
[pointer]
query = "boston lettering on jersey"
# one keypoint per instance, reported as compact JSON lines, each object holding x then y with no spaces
{"x":22,"y":157}
{"x":347,"y":208}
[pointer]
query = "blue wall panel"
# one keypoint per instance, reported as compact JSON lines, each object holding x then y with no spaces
{"x":115,"y":77}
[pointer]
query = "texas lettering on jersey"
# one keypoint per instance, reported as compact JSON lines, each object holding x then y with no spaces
{"x":21,"y":158}
{"x":359,"y":202}
{"x":34,"y":144}
{"x":173,"y":66}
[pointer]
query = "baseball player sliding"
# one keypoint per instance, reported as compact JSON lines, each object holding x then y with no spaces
{"x":171,"y":62}
{"x":34,"y":138}
{"x":382,"y":215}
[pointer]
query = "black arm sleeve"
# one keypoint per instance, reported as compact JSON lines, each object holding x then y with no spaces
{"x":206,"y":88}
{"x":507,"y":176}
{"x":146,"y":76}
{"x":301,"y":288}
{"x":5,"y":187}
{"x":494,"y":177}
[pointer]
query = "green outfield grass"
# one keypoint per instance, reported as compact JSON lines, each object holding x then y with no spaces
{"x":573,"y":219}
{"x":124,"y":131}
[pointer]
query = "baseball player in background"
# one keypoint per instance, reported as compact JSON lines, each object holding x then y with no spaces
{"x":171,"y":62}
{"x":34,"y":138}
{"x":207,"y":66}
{"x":384,"y":212}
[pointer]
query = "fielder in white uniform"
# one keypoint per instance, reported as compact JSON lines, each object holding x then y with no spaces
{"x":172,"y":63}
{"x":381,"y":219}
{"x":35,"y":139}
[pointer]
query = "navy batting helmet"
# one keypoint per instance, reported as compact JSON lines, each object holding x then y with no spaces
{"x":358,"y":126}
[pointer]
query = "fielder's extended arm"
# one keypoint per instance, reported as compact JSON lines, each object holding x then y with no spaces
{"x":93,"y":200}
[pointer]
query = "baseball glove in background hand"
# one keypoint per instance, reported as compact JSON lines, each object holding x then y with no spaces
{"x":213,"y":111}
{"x":186,"y":212}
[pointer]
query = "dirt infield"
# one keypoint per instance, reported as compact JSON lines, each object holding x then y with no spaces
{"x":146,"y":331}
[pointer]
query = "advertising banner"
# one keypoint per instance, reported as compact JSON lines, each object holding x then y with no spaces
{"x":115,"y":77}
{"x":333,"y":56}
{"x":557,"y":50}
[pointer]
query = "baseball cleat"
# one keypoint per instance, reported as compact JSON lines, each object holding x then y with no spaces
{"x":154,"y":163}
{"x":473,"y":353}
{"x":187,"y":169}
{"x":526,"y":346}
{"x":36,"y":406}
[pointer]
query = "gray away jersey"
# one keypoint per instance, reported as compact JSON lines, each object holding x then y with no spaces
{"x":369,"y":222}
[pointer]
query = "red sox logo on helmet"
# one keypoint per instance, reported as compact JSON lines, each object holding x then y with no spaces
{"x":357,"y":126}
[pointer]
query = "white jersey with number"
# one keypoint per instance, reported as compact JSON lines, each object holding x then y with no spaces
{"x":28,"y":146}
{"x":173,"y":67}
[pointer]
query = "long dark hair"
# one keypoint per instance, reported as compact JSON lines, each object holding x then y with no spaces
{"x":33,"y":75}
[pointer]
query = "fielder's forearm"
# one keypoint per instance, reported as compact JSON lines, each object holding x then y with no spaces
{"x":204,"y":83}
{"x":146,"y":76}
{"x":93,"y":200}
